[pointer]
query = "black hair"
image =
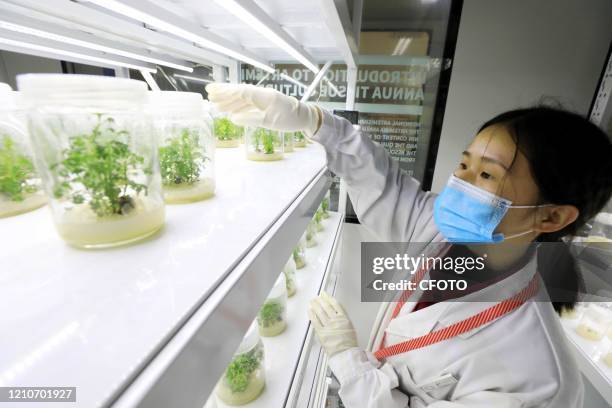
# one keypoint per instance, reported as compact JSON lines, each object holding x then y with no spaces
{"x":570,"y":159}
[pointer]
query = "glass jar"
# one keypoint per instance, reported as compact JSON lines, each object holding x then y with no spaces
{"x":595,"y":322}
{"x":318,"y":219}
{"x":227,"y":134}
{"x":272,"y":317}
{"x":264,"y":144}
{"x":289,"y":272}
{"x":288,"y":142}
{"x":244,"y":378}
{"x":310,"y":234}
{"x":96,"y":153}
{"x":299,"y":253}
{"x":325,"y":205}
{"x":20,"y":186}
{"x":299,"y":140}
{"x":186,"y":146}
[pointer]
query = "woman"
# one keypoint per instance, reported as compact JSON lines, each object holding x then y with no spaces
{"x":528,"y":175}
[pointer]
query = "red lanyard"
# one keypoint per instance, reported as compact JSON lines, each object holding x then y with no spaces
{"x":494,"y":312}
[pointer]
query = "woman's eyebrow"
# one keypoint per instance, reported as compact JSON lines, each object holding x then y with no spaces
{"x":488,"y":159}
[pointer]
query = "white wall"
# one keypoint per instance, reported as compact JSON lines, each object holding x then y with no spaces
{"x":511,"y":53}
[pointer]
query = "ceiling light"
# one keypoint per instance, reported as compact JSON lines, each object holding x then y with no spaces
{"x":65,"y":53}
{"x":248,"y":12}
{"x":150,"y":19}
{"x":87,"y":44}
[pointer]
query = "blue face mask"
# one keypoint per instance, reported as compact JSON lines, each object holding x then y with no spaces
{"x":466,"y":213}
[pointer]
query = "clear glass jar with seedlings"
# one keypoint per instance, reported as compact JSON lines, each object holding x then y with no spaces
{"x":272,"y":317}
{"x":299,"y":140}
{"x":96,"y":153}
{"x":325,"y":205}
{"x":227,"y":134}
{"x":299,"y":253}
{"x":288,"y":142}
{"x":186,"y":146}
{"x":264,"y":144}
{"x":244,"y":378}
{"x":289,"y":272}
{"x":318,"y":219}
{"x":310,"y":235}
{"x":20,"y":187}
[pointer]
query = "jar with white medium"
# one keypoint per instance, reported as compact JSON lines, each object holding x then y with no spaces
{"x":20,"y":186}
{"x":288,"y":142}
{"x":227,"y":134}
{"x":595,"y":322}
{"x":186,"y":146}
{"x":289,"y":272}
{"x":96,"y":153}
{"x":272,"y":317}
{"x":299,"y":253}
{"x":244,"y":378}
{"x":310,"y":234}
{"x":264,"y":144}
{"x":299,"y":140}
{"x":325,"y":205}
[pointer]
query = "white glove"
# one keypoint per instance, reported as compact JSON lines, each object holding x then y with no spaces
{"x":331,"y":325}
{"x":250,"y":105}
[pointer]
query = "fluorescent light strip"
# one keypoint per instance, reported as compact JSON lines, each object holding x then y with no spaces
{"x":242,"y":13}
{"x":398,"y":46}
{"x":150,"y":81}
{"x":295,"y":81}
{"x":153,"y":21}
{"x":86,"y":44}
{"x":86,"y":57}
{"x":194,"y":79}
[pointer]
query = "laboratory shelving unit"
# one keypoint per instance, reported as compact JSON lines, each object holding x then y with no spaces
{"x":156,"y":323}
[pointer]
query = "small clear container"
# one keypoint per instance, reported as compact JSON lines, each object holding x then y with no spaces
{"x":272,"y":317}
{"x":186,"y":146}
{"x":311,"y":234}
{"x":264,"y":144}
{"x":288,"y":142}
{"x":299,"y":140}
{"x":299,"y":253}
{"x":318,"y":218}
{"x":95,"y":150}
{"x":325,"y":205}
{"x":20,"y":187}
{"x":289,"y":272}
{"x":244,"y":378}
{"x":227,"y":134}
{"x":595,"y":322}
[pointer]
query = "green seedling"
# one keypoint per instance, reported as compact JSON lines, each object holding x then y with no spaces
{"x":263,"y":139}
{"x":181,"y":159}
{"x":226,"y":130}
{"x":238,"y":373}
{"x":270,"y":313}
{"x":298,"y":137}
{"x":16,"y":170}
{"x":98,"y":168}
{"x":325,"y":205}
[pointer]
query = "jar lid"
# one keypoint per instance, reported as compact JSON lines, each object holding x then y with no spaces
{"x":81,"y":90}
{"x":190,"y":103}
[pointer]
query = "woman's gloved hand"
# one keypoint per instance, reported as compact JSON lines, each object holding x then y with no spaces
{"x":331,"y":325}
{"x":250,"y":105}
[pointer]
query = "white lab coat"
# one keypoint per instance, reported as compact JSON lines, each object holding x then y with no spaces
{"x":518,"y":360}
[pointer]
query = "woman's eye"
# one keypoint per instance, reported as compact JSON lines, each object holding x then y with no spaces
{"x":463,"y":166}
{"x":485,"y":175}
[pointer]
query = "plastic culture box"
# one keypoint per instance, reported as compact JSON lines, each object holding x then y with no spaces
{"x":96,"y":154}
{"x":272,"y":317}
{"x":244,"y":378}
{"x":299,"y":140}
{"x":288,"y":142}
{"x":186,"y":146}
{"x":289,"y":272}
{"x":299,"y":254}
{"x":594,"y":323}
{"x":227,"y":134}
{"x":20,"y":188}
{"x":264,"y":144}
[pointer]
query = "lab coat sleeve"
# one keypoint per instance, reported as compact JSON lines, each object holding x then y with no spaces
{"x":364,"y":384}
{"x":386,"y":199}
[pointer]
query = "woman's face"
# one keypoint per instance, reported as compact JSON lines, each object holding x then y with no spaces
{"x":490,"y":163}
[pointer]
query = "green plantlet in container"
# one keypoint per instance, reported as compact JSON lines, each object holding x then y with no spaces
{"x":299,"y":140}
{"x":226,"y":133}
{"x":97,"y":168}
{"x":239,"y":372}
{"x":325,"y":207}
{"x":16,"y":170}
{"x":263,"y":141}
{"x":271,"y":318}
{"x":181,"y":158}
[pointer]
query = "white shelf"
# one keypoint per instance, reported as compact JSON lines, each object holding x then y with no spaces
{"x":588,"y":354}
{"x":282,"y":352}
{"x":122,"y":322}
